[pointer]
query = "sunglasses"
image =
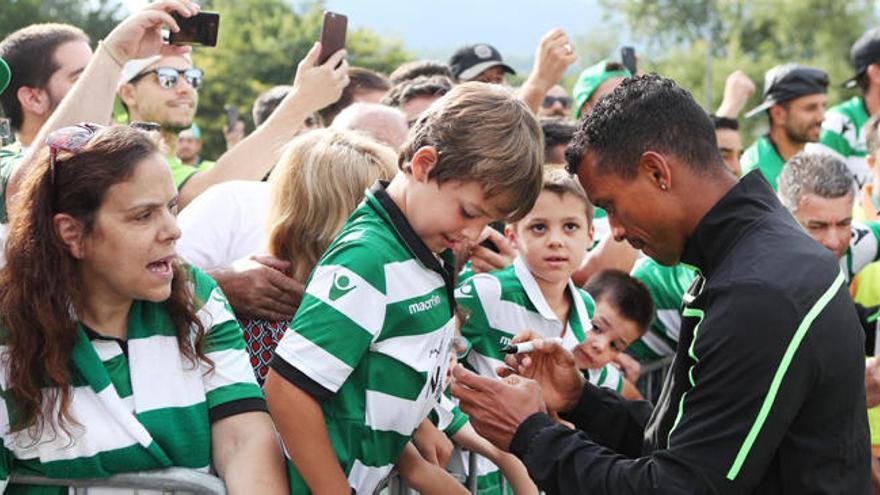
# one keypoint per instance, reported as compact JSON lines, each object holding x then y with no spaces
{"x":73,"y":138}
{"x":168,"y":76}
{"x":565,"y":101}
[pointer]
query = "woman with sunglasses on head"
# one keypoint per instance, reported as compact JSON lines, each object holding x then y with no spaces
{"x":116,"y":356}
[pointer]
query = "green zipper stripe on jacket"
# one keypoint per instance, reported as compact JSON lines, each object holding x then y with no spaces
{"x":780,"y":374}
{"x":687,"y":313}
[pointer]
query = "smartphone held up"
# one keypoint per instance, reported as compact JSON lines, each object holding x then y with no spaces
{"x":332,"y":35}
{"x":198,"y":30}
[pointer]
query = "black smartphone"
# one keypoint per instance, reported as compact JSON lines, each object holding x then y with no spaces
{"x":332,"y":35}
{"x":231,"y":116}
{"x":499,"y":226}
{"x":628,"y":58}
{"x":198,"y":30}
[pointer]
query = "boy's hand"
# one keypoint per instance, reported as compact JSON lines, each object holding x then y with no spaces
{"x":433,"y":444}
{"x":485,"y":260}
{"x":632,"y":370}
{"x":140,"y":35}
{"x":552,"y":367}
{"x":320,"y":85}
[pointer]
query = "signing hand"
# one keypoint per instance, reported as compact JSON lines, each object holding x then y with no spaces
{"x":552,"y":367}
{"x":497,"y":407}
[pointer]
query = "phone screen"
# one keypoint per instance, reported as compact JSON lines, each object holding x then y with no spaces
{"x":332,"y":35}
{"x":628,"y":58}
{"x":200,"y":29}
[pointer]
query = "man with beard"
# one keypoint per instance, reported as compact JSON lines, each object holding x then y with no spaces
{"x":794,"y":99}
{"x":556,"y":104}
{"x":45,"y":61}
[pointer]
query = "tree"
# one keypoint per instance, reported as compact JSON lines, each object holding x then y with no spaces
{"x":259,"y":45}
{"x":694,"y":41}
{"x":96,"y":17}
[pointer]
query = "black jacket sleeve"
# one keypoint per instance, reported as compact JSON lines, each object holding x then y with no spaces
{"x":868,"y":319}
{"x":726,"y":426}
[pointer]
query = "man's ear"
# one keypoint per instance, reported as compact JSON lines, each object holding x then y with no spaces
{"x":72,"y":234}
{"x":126,"y":94}
{"x":655,"y":166}
{"x":34,"y":100}
{"x":874,"y":73}
{"x":423,"y":161}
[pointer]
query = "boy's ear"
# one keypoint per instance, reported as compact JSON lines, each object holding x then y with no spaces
{"x":72,"y":234}
{"x":510,"y":233}
{"x":423,"y":161}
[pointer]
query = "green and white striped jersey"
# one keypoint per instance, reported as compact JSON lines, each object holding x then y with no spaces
{"x":371,"y":339}
{"x":505,"y":302}
{"x":762,"y":155}
{"x":667,"y":285}
{"x":842,"y":133}
{"x":139,"y":403}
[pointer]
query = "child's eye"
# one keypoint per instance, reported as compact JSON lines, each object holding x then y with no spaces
{"x":538,"y":228}
{"x":571,"y":227}
{"x":467,"y":214}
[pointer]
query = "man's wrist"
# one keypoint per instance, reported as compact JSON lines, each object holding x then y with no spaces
{"x":526,"y":431}
{"x":104,"y":48}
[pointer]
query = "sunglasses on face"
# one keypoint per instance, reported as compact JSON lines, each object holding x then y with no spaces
{"x":168,"y":76}
{"x":565,"y":101}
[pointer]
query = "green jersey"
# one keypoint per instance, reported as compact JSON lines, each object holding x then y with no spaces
{"x":10,"y":157}
{"x":842,"y":133}
{"x":139,"y":403}
{"x":371,"y":339}
{"x":667,"y":285}
{"x":181,"y":172}
{"x":505,"y":302}
{"x":762,"y":155}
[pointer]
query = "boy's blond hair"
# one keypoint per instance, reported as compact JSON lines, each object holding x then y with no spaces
{"x":559,"y":181}
{"x":316,"y":185}
{"x":483,"y":133}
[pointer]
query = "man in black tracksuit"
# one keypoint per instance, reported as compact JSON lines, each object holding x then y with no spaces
{"x":766,"y":393}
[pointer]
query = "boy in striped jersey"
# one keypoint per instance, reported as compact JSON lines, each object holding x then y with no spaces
{"x":366,"y":353}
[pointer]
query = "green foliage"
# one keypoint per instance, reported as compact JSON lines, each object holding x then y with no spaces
{"x":95,"y":17}
{"x":679,"y":36}
{"x":260,"y":43}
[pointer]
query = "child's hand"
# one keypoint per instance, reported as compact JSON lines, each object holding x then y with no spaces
{"x":485,"y":260}
{"x":631,"y":368}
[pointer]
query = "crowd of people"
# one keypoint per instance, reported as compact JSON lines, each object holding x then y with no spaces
{"x":390,"y":266}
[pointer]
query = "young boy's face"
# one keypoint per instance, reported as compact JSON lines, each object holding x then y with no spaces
{"x":451,"y":215}
{"x":553,"y":238}
{"x":611,"y":334}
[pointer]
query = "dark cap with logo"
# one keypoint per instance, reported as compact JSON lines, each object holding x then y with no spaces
{"x":789,"y":81}
{"x":864,"y":52}
{"x":470,"y":61}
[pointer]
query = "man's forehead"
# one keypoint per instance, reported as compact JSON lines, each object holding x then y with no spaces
{"x":175,"y":61}
{"x":832,"y":210}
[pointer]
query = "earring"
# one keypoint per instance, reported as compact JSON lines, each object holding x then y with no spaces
{"x":662,"y":186}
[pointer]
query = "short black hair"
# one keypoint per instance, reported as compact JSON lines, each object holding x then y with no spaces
{"x":645,"y":112}
{"x":628,"y":295}
{"x":359,"y":79}
{"x":724,"y":122}
{"x":416,"y":68}
{"x":420,"y":86}
{"x":267,"y":102}
{"x":556,"y":132}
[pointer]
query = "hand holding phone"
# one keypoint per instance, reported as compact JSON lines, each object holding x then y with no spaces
{"x":332,"y":35}
{"x":628,"y":58}
{"x":198,"y":30}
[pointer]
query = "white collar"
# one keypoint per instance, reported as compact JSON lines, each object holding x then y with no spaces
{"x":533,"y":291}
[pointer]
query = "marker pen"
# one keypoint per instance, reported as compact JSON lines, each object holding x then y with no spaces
{"x":526,"y":346}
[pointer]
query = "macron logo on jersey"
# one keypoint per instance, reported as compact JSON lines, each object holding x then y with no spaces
{"x":425,"y":305}
{"x":342,"y":285}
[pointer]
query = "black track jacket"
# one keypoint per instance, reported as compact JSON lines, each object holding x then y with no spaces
{"x":766,"y":392}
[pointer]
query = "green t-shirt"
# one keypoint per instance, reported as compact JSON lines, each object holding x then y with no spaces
{"x":140,"y":403}
{"x":371,"y":339}
{"x":182,"y":173}
{"x":842,"y":128}
{"x":10,"y":157}
{"x":763,"y":155}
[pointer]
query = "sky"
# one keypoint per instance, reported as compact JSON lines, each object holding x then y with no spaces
{"x":434,"y":29}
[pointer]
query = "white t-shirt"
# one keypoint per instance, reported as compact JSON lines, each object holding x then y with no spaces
{"x":225,"y":223}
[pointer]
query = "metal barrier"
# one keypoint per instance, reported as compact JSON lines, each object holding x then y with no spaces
{"x":166,"y":480}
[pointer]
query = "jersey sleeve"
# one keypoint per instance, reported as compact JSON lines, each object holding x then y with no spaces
{"x":476,"y":297}
{"x":837,"y":133}
{"x":341,"y":314}
{"x":230,"y":387}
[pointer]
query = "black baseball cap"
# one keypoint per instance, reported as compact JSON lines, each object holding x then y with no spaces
{"x":789,"y":81}
{"x":470,"y":61}
{"x":864,"y":52}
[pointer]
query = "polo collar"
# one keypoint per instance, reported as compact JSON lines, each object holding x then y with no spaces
{"x":533,"y":292}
